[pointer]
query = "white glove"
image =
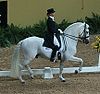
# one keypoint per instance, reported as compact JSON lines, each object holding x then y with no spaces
{"x":61,"y":32}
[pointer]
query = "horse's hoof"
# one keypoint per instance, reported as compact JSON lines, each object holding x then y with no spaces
{"x":23,"y":82}
{"x":32,"y":76}
{"x":63,"y":81}
{"x":76,"y":71}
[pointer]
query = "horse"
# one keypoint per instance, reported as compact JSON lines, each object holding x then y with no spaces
{"x":32,"y":46}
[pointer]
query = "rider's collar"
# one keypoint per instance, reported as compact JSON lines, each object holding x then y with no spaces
{"x":52,"y":18}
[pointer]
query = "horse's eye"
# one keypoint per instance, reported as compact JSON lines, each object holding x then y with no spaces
{"x":87,"y":32}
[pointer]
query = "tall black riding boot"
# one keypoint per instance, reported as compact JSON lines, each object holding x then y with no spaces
{"x":53,"y":54}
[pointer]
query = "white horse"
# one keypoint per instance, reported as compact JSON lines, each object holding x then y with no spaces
{"x":32,"y":46}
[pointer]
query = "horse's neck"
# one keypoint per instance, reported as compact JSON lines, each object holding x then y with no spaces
{"x":71,"y":36}
{"x":73,"y":29}
{"x":67,"y":44}
{"x":72,"y":41}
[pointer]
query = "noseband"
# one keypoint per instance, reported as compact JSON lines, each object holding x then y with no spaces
{"x":84,"y":33}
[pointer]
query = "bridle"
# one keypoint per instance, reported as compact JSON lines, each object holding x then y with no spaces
{"x":84,"y":37}
{"x":84,"y":33}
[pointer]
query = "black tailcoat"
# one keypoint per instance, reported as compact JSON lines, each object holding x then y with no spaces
{"x":51,"y":30}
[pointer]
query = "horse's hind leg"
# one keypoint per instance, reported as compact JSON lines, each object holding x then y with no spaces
{"x":30,"y":71}
{"x":22,"y":66}
{"x":29,"y":55}
{"x":25,"y":63}
{"x":20,"y":74}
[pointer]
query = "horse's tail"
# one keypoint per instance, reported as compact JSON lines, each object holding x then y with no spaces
{"x":15,"y":61}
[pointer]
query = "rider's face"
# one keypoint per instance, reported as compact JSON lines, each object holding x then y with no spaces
{"x":52,"y":14}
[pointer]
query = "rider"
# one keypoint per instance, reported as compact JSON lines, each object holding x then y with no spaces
{"x":52,"y":31}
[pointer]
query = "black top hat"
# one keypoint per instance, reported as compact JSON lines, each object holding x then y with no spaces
{"x":51,"y":10}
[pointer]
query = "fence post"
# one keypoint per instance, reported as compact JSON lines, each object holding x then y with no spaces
{"x":47,"y":73}
{"x":99,"y":60}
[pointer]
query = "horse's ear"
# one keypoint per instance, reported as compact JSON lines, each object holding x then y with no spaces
{"x":84,"y":23}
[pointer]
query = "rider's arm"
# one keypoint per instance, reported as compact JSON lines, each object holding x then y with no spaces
{"x":52,"y":27}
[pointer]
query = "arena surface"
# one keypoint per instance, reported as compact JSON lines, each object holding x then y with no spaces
{"x":88,"y":83}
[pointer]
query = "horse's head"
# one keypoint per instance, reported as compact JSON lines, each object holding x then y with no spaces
{"x":84,"y":34}
{"x":77,"y":31}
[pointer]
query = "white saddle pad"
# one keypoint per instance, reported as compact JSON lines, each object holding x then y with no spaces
{"x":46,"y":49}
{"x":56,"y":41}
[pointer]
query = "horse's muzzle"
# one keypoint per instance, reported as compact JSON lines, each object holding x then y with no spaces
{"x":86,"y":41}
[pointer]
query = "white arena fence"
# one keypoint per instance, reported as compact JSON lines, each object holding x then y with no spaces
{"x":47,"y":72}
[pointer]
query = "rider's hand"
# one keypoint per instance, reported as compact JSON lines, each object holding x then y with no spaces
{"x":61,"y":32}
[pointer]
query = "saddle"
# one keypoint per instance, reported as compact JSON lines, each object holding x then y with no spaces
{"x":55,"y":46}
{"x":58,"y":53}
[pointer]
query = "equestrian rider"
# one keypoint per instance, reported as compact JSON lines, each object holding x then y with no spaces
{"x":52,"y":31}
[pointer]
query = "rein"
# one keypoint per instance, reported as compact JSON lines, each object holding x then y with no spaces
{"x":75,"y":38}
{"x":71,"y":36}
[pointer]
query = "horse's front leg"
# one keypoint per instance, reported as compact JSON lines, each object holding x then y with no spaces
{"x":78,"y":60}
{"x":81,"y":65}
{"x":61,"y":71}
